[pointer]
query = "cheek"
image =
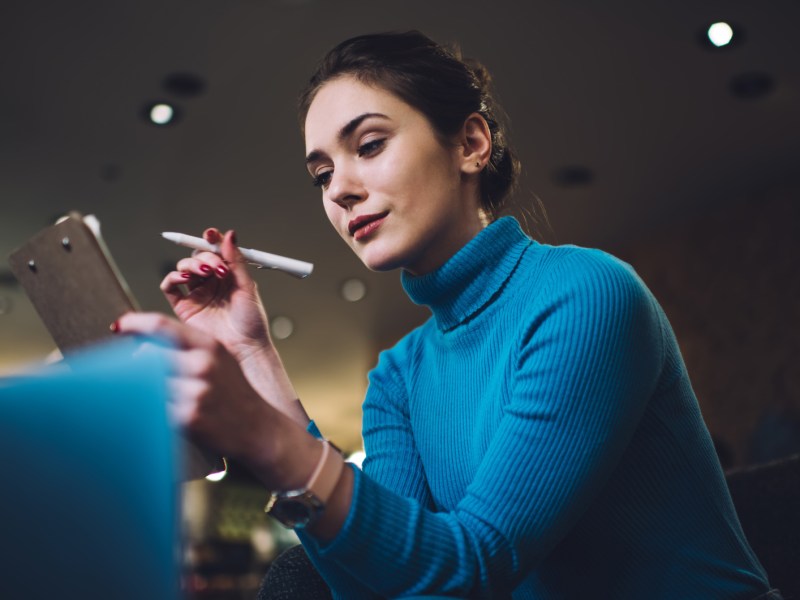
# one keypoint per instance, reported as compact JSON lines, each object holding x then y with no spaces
{"x":407,"y":175}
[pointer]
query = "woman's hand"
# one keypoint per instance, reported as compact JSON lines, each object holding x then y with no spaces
{"x":223,"y":302}
{"x":212,"y":399}
{"x":214,"y":403}
{"x":222,"y":298}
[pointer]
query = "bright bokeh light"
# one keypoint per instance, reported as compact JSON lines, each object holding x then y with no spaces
{"x":218,"y":476}
{"x":161,"y":114}
{"x":357,"y":458}
{"x":720,"y":34}
{"x":281,"y":327}
{"x":354,"y":290}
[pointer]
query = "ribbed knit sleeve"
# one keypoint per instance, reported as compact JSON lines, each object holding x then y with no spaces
{"x":392,"y":459}
{"x":392,"y":456}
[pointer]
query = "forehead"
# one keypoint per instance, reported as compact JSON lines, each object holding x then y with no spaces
{"x":341,"y":100}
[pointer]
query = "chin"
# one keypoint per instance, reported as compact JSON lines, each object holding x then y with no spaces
{"x":381,"y":266}
{"x":380,"y":261}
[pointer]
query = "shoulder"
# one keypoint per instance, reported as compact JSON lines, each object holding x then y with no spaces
{"x":582,"y":276}
{"x":592,"y":298}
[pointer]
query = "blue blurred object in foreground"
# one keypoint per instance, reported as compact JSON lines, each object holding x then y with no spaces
{"x":88,"y":502}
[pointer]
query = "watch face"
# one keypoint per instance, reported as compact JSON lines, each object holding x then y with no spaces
{"x":292,"y":513}
{"x":295,"y":511}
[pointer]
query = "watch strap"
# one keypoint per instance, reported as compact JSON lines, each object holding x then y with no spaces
{"x":326,"y":474}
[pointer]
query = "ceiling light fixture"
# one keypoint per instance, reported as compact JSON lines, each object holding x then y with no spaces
{"x":720,"y":34}
{"x":161,"y":113}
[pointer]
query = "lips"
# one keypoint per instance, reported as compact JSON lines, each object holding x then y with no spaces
{"x":363,"y":225}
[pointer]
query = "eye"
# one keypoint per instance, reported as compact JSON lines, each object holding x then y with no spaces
{"x":371,"y":147}
{"x":323,"y":179}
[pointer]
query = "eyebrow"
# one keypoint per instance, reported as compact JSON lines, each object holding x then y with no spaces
{"x":345,"y":131}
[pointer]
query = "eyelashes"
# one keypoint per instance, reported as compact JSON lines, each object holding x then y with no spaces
{"x":366,"y":150}
{"x":322,"y":180}
{"x":371,"y":147}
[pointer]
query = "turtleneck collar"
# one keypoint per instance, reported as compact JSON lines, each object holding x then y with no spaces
{"x":470,"y":280}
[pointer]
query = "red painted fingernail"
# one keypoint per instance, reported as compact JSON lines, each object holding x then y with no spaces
{"x":205,"y":268}
{"x":186,"y":275}
{"x":222,"y":271}
{"x":114,"y":327}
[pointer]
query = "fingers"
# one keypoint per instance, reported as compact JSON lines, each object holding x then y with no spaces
{"x":208,"y":264}
{"x":156,"y":324}
{"x":184,"y":394}
{"x":212,"y":235}
{"x":192,"y":272}
{"x":204,"y":264}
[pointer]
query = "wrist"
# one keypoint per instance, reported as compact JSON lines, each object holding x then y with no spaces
{"x":304,"y":506}
{"x":285,"y":455}
{"x":253,"y":351}
{"x":264,"y":370}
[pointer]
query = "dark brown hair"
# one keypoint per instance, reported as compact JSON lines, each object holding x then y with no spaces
{"x":436,"y":82}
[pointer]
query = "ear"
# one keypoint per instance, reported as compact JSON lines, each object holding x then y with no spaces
{"x":475,"y":141}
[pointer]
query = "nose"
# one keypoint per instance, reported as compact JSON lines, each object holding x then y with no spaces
{"x":346,"y":188}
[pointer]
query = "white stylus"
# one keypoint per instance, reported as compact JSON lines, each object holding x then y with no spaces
{"x":298,"y":268}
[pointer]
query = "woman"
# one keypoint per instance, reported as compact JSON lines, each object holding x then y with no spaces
{"x":536,"y":438}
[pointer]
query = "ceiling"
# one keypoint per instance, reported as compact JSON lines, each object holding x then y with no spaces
{"x":621,"y":88}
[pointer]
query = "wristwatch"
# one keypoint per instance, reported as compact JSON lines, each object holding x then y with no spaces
{"x":297,"y":509}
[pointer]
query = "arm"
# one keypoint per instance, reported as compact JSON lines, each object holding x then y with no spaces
{"x":392,"y":459}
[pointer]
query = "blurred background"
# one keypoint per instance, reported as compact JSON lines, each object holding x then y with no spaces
{"x":642,"y":129}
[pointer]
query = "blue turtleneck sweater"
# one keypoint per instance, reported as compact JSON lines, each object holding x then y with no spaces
{"x":537,"y":437}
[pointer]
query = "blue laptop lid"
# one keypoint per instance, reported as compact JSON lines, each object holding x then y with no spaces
{"x":89,"y":498}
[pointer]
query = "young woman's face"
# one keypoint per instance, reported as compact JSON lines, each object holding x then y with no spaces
{"x":391,"y":189}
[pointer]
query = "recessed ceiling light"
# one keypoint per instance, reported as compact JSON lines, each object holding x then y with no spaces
{"x":354,"y":290}
{"x":720,"y":34}
{"x":161,"y":114}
